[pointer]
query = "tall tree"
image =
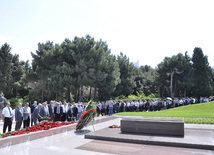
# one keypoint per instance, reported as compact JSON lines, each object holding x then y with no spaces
{"x":169,"y":67}
{"x":202,"y":74}
{"x":104,"y":70}
{"x":11,"y":72}
{"x":127,"y":76}
{"x":149,"y":77}
{"x":82,"y":49}
{"x":42,"y":63}
{"x":6,"y":69}
{"x":62,"y":75}
{"x":185,"y":80}
{"x":18,"y":70}
{"x":170,"y":72}
{"x":108,"y":85}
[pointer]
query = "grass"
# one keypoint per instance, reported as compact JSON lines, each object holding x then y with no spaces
{"x":202,"y":113}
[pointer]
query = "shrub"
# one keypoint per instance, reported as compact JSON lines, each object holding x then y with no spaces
{"x":14,"y":102}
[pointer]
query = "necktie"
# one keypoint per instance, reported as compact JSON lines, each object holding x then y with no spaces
{"x":9,"y":111}
{"x":46,"y":109}
{"x":21,"y":111}
{"x":58,"y":110}
{"x":65,"y":109}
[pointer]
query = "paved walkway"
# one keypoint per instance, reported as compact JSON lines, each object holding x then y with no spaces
{"x":71,"y":142}
{"x":120,"y":148}
{"x":64,"y":143}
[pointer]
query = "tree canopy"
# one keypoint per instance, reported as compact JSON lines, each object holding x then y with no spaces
{"x":84,"y":68}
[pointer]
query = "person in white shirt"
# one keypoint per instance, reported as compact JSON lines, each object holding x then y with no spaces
{"x":181,"y":102}
{"x":164,"y":104}
{"x":46,"y":109}
{"x":7,"y":117}
{"x":100,"y":104}
{"x":65,"y":110}
{"x":131,"y":106}
{"x":128,"y":106}
{"x":140,"y":105}
{"x":155,"y":105}
{"x":136,"y":106}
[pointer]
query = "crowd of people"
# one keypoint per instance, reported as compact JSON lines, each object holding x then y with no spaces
{"x":31,"y":114}
{"x":103,"y":108}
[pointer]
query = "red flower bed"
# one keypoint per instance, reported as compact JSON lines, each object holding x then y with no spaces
{"x":46,"y":125}
{"x":114,"y":126}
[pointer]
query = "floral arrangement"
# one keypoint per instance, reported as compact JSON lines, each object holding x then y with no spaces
{"x":46,"y":118}
{"x":45,"y":125}
{"x":87,"y":116}
{"x":114,"y":126}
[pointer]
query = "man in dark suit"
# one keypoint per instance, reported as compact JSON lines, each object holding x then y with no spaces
{"x":70,"y":114}
{"x":37,"y":114}
{"x":75,"y":111}
{"x":44,"y":110}
{"x":51,"y":110}
{"x":58,"y":112}
{"x":32,"y":109}
{"x":18,"y":116}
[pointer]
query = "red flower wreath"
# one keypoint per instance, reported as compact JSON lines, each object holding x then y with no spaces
{"x":87,"y":116}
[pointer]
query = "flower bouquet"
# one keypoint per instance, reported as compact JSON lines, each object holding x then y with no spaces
{"x":87,"y":116}
{"x":46,"y":118}
{"x":114,"y":126}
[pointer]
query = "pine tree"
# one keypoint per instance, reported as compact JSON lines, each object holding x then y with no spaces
{"x":6,"y":69}
{"x":202,"y":74}
{"x":127,"y":76}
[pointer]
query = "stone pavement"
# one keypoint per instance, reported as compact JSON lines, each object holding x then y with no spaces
{"x":203,"y":139}
{"x":63,"y":143}
{"x":71,"y":142}
{"x":120,"y":148}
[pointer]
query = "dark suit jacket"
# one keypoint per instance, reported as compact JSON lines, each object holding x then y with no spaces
{"x":75,"y":111}
{"x":70,"y":113}
{"x":32,"y":108}
{"x":19,"y":114}
{"x":51,"y":111}
{"x":36,"y":113}
{"x":55,"y":110}
{"x":43,"y":112}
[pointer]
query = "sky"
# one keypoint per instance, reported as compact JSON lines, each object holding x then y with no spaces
{"x":144,"y":30}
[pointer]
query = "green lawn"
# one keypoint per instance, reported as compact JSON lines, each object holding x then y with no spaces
{"x":202,"y":113}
